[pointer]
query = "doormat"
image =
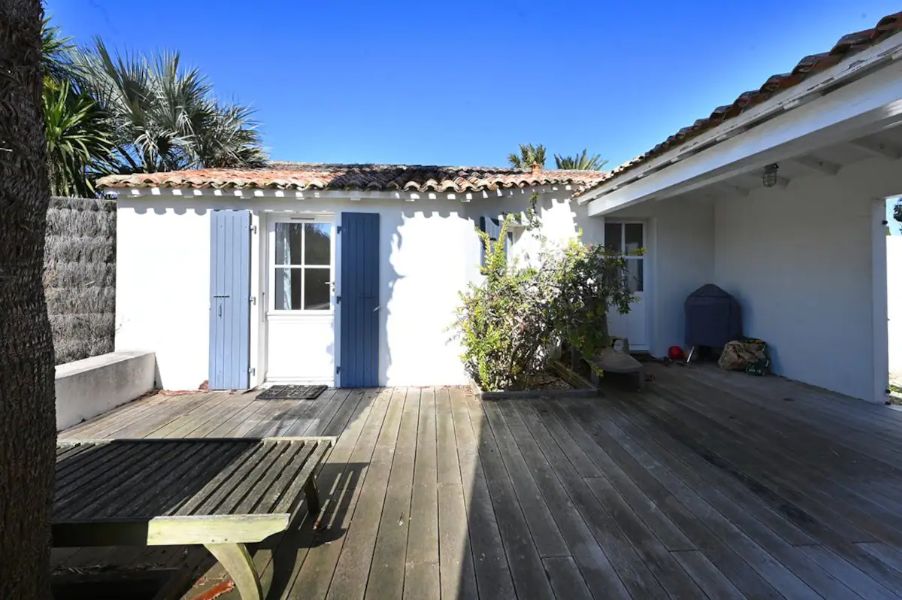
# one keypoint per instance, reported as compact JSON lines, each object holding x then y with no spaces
{"x":292,"y":392}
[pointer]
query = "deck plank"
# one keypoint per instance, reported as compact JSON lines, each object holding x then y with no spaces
{"x":342,"y":480}
{"x":333,"y":404}
{"x":799,"y":446}
{"x":799,"y":485}
{"x":633,"y":572}
{"x":536,"y":512}
{"x":523,"y":555}
{"x":421,"y":580}
{"x":596,"y":568}
{"x":707,"y":576}
{"x":827,"y":528}
{"x":281,"y":561}
{"x":648,"y":510}
{"x":565,"y":578}
{"x":705,"y":483}
{"x":352,"y":569}
{"x":682,"y":506}
{"x":388,"y":566}
{"x":868,"y":427}
{"x":457,"y":574}
{"x":768,"y":528}
{"x":493,"y":575}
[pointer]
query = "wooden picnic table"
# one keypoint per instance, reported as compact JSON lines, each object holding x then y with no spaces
{"x":222,"y":493}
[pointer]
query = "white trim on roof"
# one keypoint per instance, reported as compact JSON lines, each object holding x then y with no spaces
{"x":356,"y":195}
{"x":858,"y":96}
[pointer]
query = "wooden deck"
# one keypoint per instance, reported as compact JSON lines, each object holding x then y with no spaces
{"x":705,"y":484}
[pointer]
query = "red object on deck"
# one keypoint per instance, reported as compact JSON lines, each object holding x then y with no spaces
{"x":216,"y":591}
{"x":675,"y":353}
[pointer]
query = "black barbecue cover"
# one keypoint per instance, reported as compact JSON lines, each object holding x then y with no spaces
{"x":713,"y":317}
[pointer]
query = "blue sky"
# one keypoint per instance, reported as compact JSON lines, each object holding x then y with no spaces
{"x":464,"y":82}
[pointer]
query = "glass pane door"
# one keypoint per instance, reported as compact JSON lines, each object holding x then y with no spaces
{"x":628,"y":241}
{"x":302,"y":267}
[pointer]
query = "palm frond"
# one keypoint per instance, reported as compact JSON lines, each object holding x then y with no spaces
{"x":165,"y":115}
{"x":75,"y":134}
{"x":580,"y":162}
{"x":56,"y":52}
{"x":530,"y":155}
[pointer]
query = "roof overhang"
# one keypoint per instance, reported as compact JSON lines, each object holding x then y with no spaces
{"x":184,"y":194}
{"x":854,"y":98}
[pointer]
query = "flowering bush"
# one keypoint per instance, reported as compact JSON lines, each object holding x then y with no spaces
{"x":509,"y":323}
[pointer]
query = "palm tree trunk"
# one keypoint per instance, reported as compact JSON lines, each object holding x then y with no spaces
{"x":27,"y":415}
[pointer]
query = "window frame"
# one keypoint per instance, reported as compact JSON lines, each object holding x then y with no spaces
{"x":482,"y":225}
{"x":272,"y":265}
{"x":621,"y":252}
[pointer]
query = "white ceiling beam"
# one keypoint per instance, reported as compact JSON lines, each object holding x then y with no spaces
{"x":819,"y":165}
{"x":880,"y":149}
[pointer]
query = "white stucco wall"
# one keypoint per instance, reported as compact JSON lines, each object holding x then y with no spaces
{"x":894,"y":295}
{"x":163,"y":289}
{"x":429,"y":252}
{"x":429,"y":255}
{"x":800,"y":260}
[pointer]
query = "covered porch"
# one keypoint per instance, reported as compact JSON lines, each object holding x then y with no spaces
{"x":783,"y":205}
{"x":706,"y":483}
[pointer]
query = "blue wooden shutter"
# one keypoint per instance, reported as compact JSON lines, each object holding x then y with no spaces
{"x":230,"y":291}
{"x":492,"y":226}
{"x":481,"y":242}
{"x":359,"y":362}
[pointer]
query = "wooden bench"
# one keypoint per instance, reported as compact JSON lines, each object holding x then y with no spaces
{"x":616,"y":362}
{"x":223,"y":493}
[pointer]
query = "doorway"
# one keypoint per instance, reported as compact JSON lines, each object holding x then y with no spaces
{"x":629,"y":240}
{"x":300,"y":299}
{"x":893,"y":220}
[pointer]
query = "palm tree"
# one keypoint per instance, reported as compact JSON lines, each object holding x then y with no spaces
{"x":164,"y":116}
{"x":27,"y":413}
{"x":529,"y":157}
{"x":74,"y":128}
{"x":580,"y":162}
{"x":77,"y":138}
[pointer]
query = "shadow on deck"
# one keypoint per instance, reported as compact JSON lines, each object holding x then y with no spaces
{"x":705,"y":483}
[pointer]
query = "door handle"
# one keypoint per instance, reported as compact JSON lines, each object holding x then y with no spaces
{"x":220,"y":310}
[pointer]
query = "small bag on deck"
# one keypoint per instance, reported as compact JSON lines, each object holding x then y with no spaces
{"x":749,"y":355}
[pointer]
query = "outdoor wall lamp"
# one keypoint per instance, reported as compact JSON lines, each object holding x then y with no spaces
{"x":769,"y":176}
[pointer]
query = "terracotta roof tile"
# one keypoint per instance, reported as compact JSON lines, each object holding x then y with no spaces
{"x":370,"y":177}
{"x":808,"y":66}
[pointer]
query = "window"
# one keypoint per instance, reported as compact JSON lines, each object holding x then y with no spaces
{"x":302,"y":266}
{"x":628,"y":241}
{"x":492,"y":226}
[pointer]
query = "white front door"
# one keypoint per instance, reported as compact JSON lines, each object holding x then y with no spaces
{"x":628,"y":240}
{"x":300,"y":315}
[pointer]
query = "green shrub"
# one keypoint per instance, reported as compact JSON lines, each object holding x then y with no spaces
{"x":588,"y":281}
{"x":510,"y":323}
{"x":503,"y":322}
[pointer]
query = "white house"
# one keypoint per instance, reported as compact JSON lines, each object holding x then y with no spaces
{"x":337,"y":274}
{"x":246,"y":276}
